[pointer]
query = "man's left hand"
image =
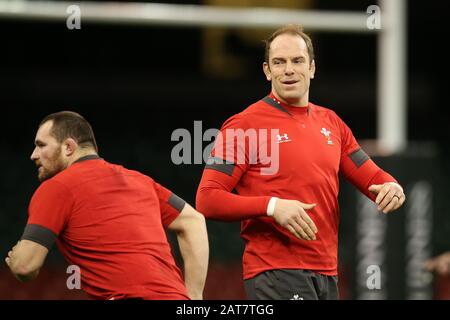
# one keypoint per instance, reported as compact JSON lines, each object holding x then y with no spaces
{"x":390,"y":196}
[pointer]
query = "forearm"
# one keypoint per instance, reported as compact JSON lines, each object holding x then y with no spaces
{"x":194,"y":249}
{"x":223,"y":205}
{"x":26,"y":259}
{"x":366,"y":175}
{"x":216,"y":201}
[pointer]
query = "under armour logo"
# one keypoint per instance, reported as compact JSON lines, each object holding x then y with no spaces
{"x":327,"y":134}
{"x":283,"y":138}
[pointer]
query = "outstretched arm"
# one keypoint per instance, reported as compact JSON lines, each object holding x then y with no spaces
{"x":192,"y":237}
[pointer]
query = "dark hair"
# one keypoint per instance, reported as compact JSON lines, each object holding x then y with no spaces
{"x":293,"y":29}
{"x":69,"y":124}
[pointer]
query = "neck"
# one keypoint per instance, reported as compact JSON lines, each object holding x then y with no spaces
{"x":80,"y":154}
{"x":300,"y":102}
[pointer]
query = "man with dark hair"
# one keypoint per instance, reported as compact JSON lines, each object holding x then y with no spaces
{"x":71,"y":124}
{"x":107,"y":220}
{"x":290,"y":216}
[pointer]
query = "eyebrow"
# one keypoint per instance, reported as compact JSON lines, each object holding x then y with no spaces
{"x":38,"y":142}
{"x":284,"y":59}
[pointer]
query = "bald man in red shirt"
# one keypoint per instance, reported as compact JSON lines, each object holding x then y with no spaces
{"x":107,"y":220}
{"x":287,"y":198}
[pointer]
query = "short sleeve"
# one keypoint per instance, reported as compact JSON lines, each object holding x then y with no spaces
{"x":48,"y":213}
{"x":171,"y":205}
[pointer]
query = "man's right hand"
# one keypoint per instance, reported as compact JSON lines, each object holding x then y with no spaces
{"x":291,"y":214}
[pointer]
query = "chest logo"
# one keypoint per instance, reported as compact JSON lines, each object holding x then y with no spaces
{"x":283,"y":138}
{"x":327,"y":135}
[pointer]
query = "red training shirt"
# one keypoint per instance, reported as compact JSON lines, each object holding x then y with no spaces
{"x":110,"y":222}
{"x":314,"y":145}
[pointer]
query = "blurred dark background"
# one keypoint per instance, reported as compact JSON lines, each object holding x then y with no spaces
{"x":137,"y":84}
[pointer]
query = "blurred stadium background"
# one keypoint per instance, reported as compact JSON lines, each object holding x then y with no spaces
{"x":136,"y":83}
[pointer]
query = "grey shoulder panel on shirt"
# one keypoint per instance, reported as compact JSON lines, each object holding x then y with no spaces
{"x":220,"y":165}
{"x":176,"y":202}
{"x":39,"y":234}
{"x":271,"y":102}
{"x":359,"y":157}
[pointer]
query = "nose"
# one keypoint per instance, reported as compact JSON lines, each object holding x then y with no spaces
{"x":289,"y":70}
{"x":34,"y":155}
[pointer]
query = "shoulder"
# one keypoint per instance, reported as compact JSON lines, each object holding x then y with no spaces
{"x":51,"y":189}
{"x":75,"y":174}
{"x":250,"y":114}
{"x":135,"y":177}
{"x":51,"y":184}
{"x":326,"y":113}
{"x":126,"y":172}
{"x":323,"y":111}
{"x":96,"y":173}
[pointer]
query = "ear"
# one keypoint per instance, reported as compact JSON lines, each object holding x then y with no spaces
{"x":312,"y":69}
{"x":69,"y":147}
{"x":267,"y":72}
